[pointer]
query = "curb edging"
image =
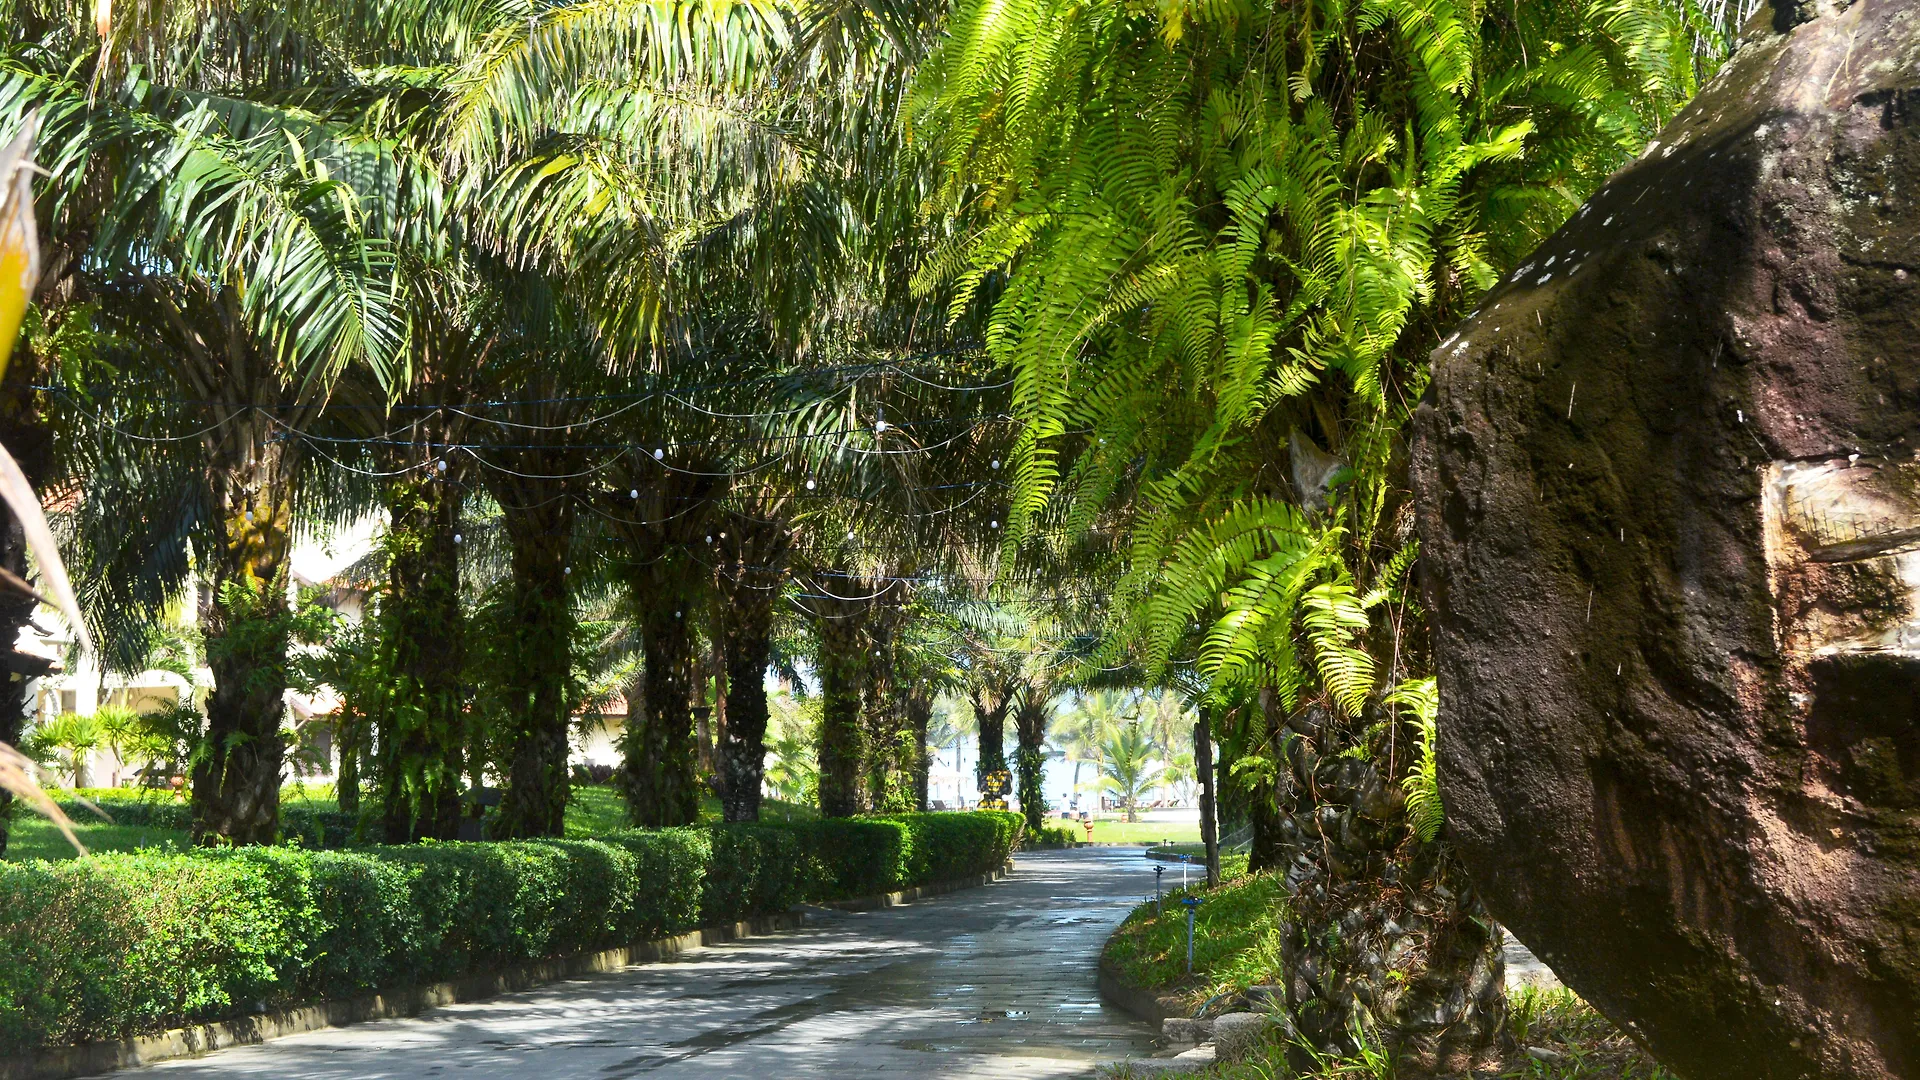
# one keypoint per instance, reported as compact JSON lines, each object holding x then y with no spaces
{"x":63,"y":1063}
{"x":1154,"y":1008}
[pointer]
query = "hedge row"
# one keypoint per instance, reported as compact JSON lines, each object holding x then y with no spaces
{"x":118,"y":945}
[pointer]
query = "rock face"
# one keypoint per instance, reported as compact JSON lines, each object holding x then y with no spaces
{"x":1669,"y":482}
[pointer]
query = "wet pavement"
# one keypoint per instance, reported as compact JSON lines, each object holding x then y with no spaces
{"x":996,"y":981}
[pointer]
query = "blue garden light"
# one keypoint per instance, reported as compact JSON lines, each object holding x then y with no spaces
{"x":1192,"y":902}
{"x":1157,"y":871}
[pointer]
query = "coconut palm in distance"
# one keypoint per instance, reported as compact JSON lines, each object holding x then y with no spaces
{"x":1128,"y":771}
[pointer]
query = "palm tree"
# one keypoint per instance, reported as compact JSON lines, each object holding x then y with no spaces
{"x":248,"y":281}
{"x":1082,"y":731}
{"x":1128,"y":770}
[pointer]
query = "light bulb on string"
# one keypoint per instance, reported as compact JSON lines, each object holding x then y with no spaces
{"x":994,"y":524}
{"x":458,"y":539}
{"x":659,"y":454}
{"x":709,"y":539}
{"x":441,"y":464}
{"x":633,"y":493}
{"x":995,"y":464}
{"x":809,"y":485}
{"x":568,"y":570}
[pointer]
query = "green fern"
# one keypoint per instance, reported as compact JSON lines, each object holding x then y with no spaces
{"x":1425,"y":814}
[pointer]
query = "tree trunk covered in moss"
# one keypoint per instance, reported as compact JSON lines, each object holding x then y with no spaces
{"x":748,"y":579}
{"x":842,"y":673}
{"x":236,"y":780}
{"x":422,"y":636}
{"x":743,"y":749}
{"x":349,"y":735}
{"x":887,"y":760}
{"x":990,"y":772}
{"x":539,"y":671}
{"x":918,"y":702}
{"x":1029,"y":757}
{"x":657,"y":770}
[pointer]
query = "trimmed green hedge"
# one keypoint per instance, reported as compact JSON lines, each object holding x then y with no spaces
{"x":116,"y":945}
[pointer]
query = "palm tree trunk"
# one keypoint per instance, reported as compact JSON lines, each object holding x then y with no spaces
{"x":657,"y":770}
{"x":1030,"y":733}
{"x":749,"y":586}
{"x":919,"y":707}
{"x":743,"y":744}
{"x":540,"y":670}
{"x":842,"y":667}
{"x":1364,"y":892}
{"x":349,"y":732}
{"x":990,"y":767}
{"x":422,"y":633}
{"x":236,"y":782}
{"x":885,"y":766}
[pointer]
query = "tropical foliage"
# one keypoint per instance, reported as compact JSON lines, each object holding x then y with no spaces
{"x":1053,"y":356}
{"x":1220,"y":241}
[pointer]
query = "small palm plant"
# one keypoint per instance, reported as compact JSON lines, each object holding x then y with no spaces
{"x":120,"y":730}
{"x":69,"y":734}
{"x":1129,"y":770}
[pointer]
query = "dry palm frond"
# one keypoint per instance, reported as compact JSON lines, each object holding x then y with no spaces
{"x":16,"y":776}
{"x":19,"y":274}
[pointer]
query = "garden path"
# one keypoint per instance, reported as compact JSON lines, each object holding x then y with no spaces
{"x":990,"y":982}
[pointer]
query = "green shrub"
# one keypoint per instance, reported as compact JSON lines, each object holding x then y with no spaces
{"x":116,"y":945}
{"x":755,"y":869}
{"x":851,"y":857}
{"x":1054,"y":835}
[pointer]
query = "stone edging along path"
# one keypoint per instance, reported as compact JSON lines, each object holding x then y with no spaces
{"x":1144,"y":1003}
{"x":95,"y":1057}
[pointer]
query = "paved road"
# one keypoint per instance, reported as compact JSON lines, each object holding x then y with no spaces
{"x":989,"y":982}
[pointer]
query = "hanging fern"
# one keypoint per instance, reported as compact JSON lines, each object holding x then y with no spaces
{"x":1425,"y":815}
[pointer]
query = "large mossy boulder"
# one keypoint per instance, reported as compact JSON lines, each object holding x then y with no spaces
{"x":1669,"y":482}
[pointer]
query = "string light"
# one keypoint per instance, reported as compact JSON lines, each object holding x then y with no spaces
{"x":457,"y":538}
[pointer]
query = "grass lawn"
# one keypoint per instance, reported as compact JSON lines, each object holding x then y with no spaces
{"x":1116,"y":830}
{"x":33,"y":837}
{"x":595,"y":811}
{"x":598,"y":809}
